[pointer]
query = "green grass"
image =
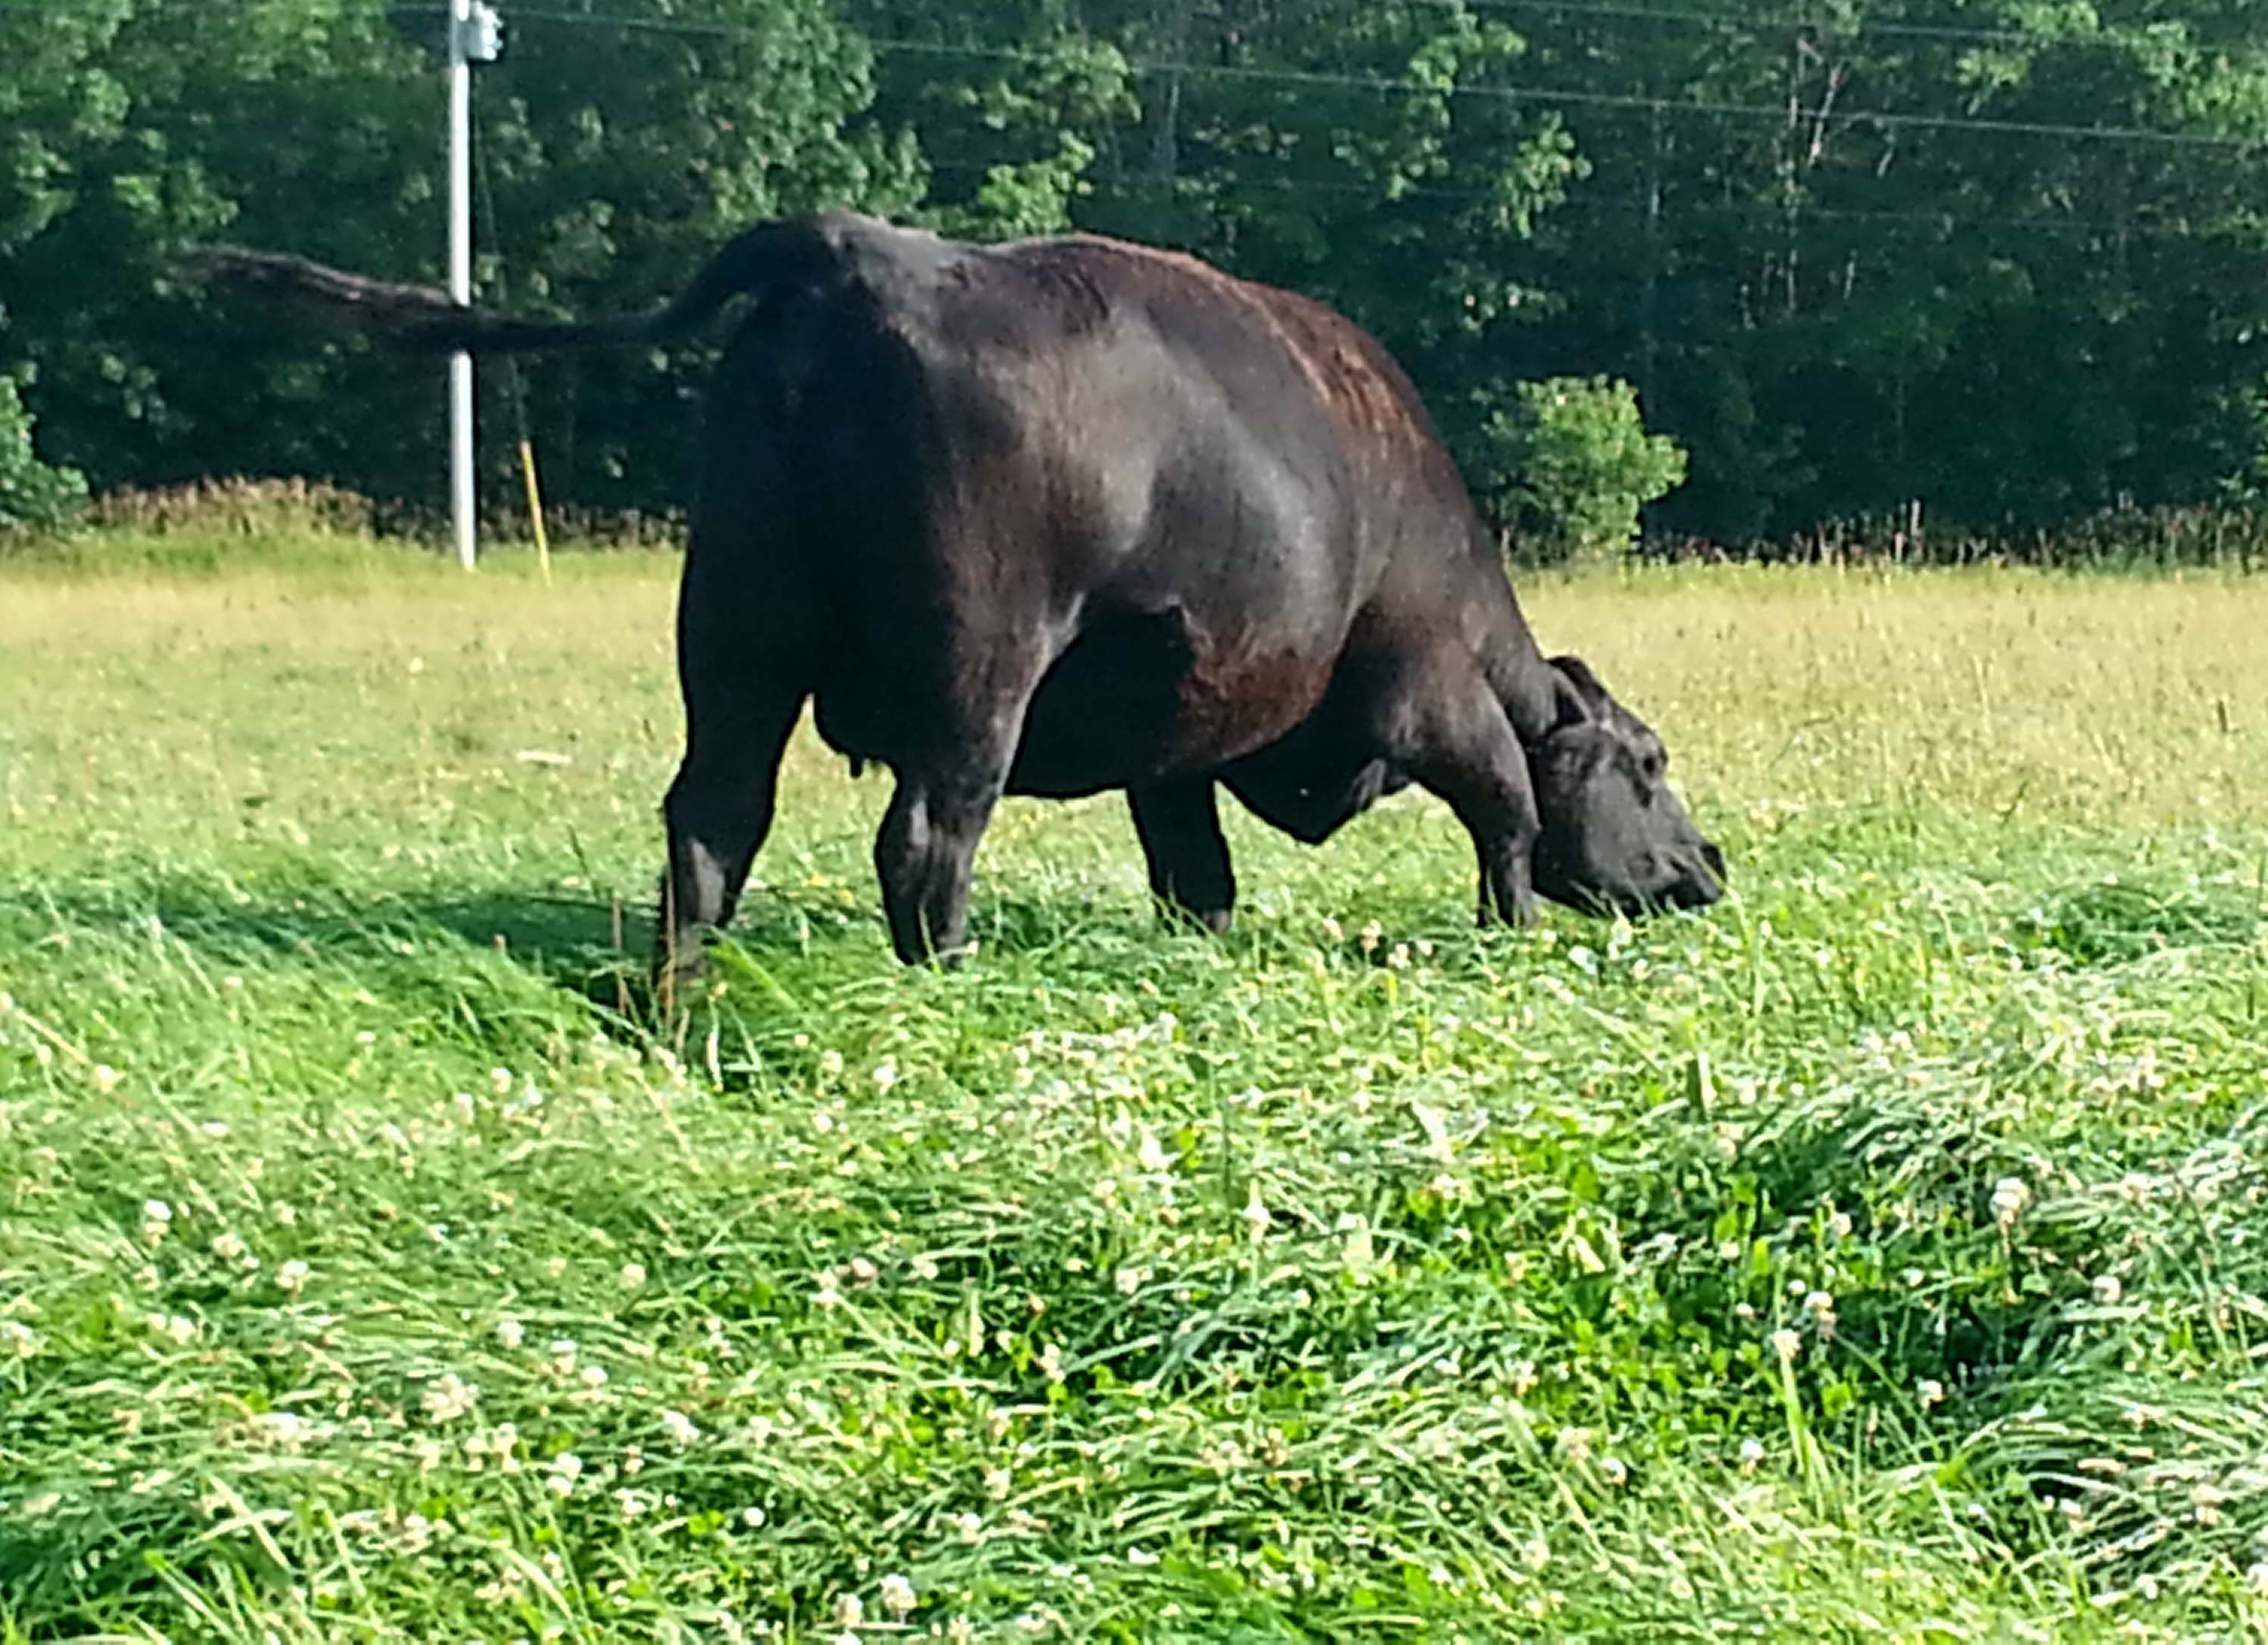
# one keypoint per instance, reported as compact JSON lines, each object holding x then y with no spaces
{"x":1358,"y":1276}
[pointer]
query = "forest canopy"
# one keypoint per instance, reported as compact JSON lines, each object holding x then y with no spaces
{"x":2002,"y":258}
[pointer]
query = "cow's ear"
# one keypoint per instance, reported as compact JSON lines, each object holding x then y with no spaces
{"x":1576,"y":693}
{"x":1577,"y":674}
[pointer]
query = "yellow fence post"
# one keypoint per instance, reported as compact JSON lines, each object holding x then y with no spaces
{"x":535,"y":508}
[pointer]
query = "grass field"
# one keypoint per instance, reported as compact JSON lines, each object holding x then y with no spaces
{"x":1882,"y":1255}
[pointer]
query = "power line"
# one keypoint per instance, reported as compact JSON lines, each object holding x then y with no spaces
{"x":1315,"y":79}
{"x":1766,"y":212}
{"x":1771,"y":23}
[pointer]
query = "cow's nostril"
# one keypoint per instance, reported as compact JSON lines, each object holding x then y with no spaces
{"x":1713,"y":857}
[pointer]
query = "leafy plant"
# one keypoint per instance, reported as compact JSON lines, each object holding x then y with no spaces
{"x":1568,"y":469}
{"x":34,"y":496}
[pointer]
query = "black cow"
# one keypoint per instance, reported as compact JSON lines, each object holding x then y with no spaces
{"x":1070,"y":515}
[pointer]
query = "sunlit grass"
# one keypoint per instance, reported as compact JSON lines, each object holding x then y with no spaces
{"x":1880,"y":1253}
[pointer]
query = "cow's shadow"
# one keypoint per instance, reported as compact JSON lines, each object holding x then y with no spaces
{"x":590,"y":946}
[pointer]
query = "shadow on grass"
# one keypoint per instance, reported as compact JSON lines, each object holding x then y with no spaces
{"x":590,"y":946}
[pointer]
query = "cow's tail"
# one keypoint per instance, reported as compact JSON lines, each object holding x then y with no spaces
{"x":761,"y":263}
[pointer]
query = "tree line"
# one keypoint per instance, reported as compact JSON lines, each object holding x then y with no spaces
{"x":1996,"y":261}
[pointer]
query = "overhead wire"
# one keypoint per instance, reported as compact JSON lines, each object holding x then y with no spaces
{"x":1547,"y":95}
{"x":1788,"y":22}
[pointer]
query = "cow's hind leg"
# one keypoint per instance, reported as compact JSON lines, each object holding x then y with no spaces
{"x":944,"y":797}
{"x":718,"y":811}
{"x":743,"y":674}
{"x":1180,"y":829}
{"x":1456,"y":740}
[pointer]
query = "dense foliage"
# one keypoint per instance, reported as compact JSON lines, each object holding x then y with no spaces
{"x":1995,"y":257}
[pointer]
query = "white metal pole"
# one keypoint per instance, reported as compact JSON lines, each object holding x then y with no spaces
{"x":460,"y":278}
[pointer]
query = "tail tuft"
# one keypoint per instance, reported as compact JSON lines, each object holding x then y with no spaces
{"x":759,"y":265}
{"x":409,"y":316}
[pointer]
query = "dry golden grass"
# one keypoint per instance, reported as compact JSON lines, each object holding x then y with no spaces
{"x":2098,"y":700}
{"x":2090,"y":699}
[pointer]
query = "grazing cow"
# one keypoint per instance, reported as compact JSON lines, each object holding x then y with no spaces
{"x":1073,"y":514}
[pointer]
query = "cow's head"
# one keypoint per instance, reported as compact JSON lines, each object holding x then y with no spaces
{"x":1615,"y":838}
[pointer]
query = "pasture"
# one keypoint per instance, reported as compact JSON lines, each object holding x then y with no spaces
{"x":1882,"y":1253}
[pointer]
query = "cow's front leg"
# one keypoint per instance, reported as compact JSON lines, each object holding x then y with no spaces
{"x":946,"y":793}
{"x":924,"y":856}
{"x":1178,"y":825}
{"x":1455,"y":738}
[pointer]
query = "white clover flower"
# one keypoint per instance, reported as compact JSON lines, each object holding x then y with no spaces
{"x":592,"y":1377}
{"x":1137,"y":1556}
{"x":1787,"y":1344}
{"x":559,"y":1479}
{"x":632,"y":1275}
{"x":2107,"y":1289}
{"x":998,"y":1483}
{"x":886,"y":1074}
{"x":1613,"y":1470}
{"x":1255,"y":1214}
{"x":1751,"y":1454}
{"x":922,"y":1268}
{"x":228,"y":1246}
{"x":680,"y":1427}
{"x":1051,"y":1362}
{"x":1129,"y":1281}
{"x":291,"y":1277}
{"x":1839,"y":1226}
{"x":2010,"y":1196}
{"x":1536,"y":1554}
{"x":1152,"y":1156}
{"x":17,"y":1340}
{"x":831,"y":1064}
{"x":850,"y":1611}
{"x":156,"y":1217}
{"x":969,"y":1525}
{"x":863,"y":1271}
{"x":286,"y":1429}
{"x":449,"y":1397}
{"x":898,"y":1596}
{"x":500,"y":1082}
{"x":1930,"y":1392}
{"x":105,"y":1078}
{"x":510,"y":1334}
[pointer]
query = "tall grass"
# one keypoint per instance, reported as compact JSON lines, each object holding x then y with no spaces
{"x":1881,"y":1254}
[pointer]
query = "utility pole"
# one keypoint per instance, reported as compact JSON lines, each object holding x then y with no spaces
{"x":475,"y":35}
{"x":460,"y":277}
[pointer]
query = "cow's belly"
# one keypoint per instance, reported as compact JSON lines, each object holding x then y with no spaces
{"x":1135,"y":699}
